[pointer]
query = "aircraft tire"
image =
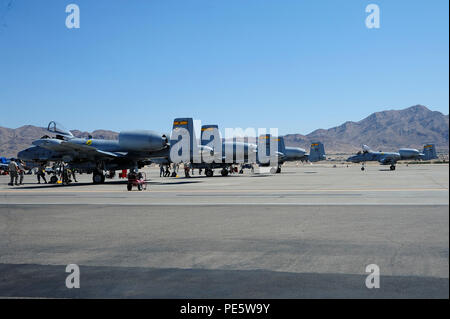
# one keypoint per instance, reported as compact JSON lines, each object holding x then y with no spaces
{"x":392,"y":167}
{"x":209,"y":172}
{"x":53,"y":180}
{"x":362,"y":168}
{"x":224,"y":172}
{"x":97,"y":178}
{"x":273,"y":170}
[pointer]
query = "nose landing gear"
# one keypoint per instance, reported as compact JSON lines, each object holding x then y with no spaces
{"x":209,"y":172}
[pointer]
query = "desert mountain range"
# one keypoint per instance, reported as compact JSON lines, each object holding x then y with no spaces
{"x":386,"y":130}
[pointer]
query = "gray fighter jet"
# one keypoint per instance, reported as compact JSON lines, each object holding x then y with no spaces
{"x":244,"y":153}
{"x":391,"y":158}
{"x":292,"y":154}
{"x":132,"y":150}
{"x":227,"y":153}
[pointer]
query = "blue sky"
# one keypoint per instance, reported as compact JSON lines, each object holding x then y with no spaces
{"x":291,"y":64}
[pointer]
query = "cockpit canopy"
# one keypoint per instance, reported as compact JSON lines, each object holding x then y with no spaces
{"x":57,"y":128}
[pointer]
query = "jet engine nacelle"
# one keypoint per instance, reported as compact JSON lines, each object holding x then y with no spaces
{"x":409,"y":153}
{"x":142,"y":140}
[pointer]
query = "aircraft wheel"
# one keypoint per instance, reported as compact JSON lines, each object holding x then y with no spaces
{"x":209,"y":172}
{"x":392,"y":167}
{"x":224,"y":172}
{"x":273,"y":170}
{"x":129,"y":187}
{"x":97,"y":178}
{"x":241,"y":171}
{"x":362,"y":168}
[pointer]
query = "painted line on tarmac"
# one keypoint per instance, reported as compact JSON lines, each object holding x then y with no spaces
{"x":109,"y":204}
{"x":16,"y":191}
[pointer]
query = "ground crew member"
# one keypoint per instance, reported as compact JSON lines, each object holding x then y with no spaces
{"x":167,"y":172}
{"x":41,"y":173}
{"x":186,"y":170}
{"x":73,"y":175}
{"x":13,"y":172}
{"x":161,"y":170}
{"x":21,"y":165}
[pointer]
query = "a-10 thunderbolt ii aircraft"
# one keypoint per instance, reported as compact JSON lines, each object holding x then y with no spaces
{"x":184,"y":147}
{"x":132,"y":150}
{"x":214,"y":152}
{"x":391,"y":158}
{"x":242,"y":151}
{"x":231,"y":152}
{"x":292,"y":154}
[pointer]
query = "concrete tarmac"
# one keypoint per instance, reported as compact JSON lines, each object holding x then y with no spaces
{"x":308,"y":232}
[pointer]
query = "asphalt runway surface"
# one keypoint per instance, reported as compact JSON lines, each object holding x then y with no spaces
{"x":308,"y":232}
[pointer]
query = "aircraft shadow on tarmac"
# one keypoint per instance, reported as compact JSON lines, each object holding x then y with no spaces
{"x":48,"y":281}
{"x":219,"y":176}
{"x":78,"y":184}
{"x":74,"y":184}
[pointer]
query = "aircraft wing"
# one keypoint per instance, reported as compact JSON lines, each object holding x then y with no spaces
{"x":76,"y":150}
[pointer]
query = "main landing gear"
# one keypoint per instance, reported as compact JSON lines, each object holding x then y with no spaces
{"x":98,"y":177}
{"x":275,"y":170}
{"x":224,"y":172}
{"x":209,"y":172}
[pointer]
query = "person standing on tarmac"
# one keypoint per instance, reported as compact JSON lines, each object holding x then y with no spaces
{"x":21,"y":166}
{"x":167,"y":171}
{"x":73,"y":175}
{"x":161,"y":170}
{"x":13,"y":172}
{"x":41,"y":173}
{"x":186,"y":170}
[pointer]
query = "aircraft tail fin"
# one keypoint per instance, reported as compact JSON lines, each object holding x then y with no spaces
{"x":181,"y":127}
{"x":281,"y":145}
{"x":429,"y":151}
{"x":317,"y":152}
{"x":280,"y":142}
{"x":208,"y":133}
